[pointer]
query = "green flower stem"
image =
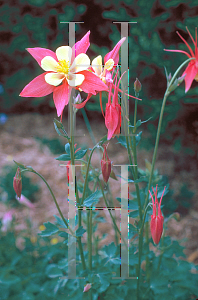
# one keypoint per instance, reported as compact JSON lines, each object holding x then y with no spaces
{"x":114,"y":222}
{"x":133,"y":149}
{"x":86,"y":175}
{"x":157,"y":142}
{"x":140,"y":251}
{"x":72,"y":118}
{"x":54,"y":198}
{"x":160,"y":124}
{"x":90,"y":238}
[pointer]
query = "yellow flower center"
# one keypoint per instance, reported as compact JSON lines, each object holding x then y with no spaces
{"x":196,"y":77}
{"x":63,"y":66}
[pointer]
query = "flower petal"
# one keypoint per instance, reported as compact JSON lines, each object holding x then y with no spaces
{"x":80,"y":63}
{"x":54,"y":78}
{"x":39,"y":53}
{"x":109,"y":64}
{"x":81,"y":46}
{"x":190,"y":72}
{"x":75,"y":79}
{"x":114,"y":54}
{"x":48,"y":63}
{"x":64,"y":53}
{"x":92,"y":83}
{"x":97,"y":64}
{"x":111,"y":120}
{"x":38,"y":87}
{"x":61,"y":96}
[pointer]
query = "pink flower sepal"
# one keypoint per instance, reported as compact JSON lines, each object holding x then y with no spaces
{"x":17,"y":183}
{"x":157,"y":219}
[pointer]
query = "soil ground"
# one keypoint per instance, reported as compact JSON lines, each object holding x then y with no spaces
{"x":18,"y":142}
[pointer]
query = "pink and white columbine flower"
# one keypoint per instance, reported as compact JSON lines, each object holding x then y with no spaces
{"x":191,"y":71}
{"x":65,"y":69}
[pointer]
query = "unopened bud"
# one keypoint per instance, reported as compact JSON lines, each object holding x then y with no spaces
{"x":87,"y":287}
{"x":17,"y":183}
{"x":105,"y":165}
{"x":137,"y":86}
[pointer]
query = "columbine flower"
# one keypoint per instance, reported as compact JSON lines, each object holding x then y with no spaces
{"x":157,"y":219}
{"x":65,"y":69}
{"x":191,"y":71}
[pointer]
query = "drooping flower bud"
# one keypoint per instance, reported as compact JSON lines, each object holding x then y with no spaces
{"x":87,"y":287}
{"x":157,"y":219}
{"x":137,"y":86}
{"x":17,"y":183}
{"x":105,"y":165}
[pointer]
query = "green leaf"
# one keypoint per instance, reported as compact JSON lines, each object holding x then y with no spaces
{"x":52,"y":271}
{"x":80,"y":153}
{"x":67,"y":148}
{"x":21,"y":166}
{"x":80,"y":231}
{"x":59,"y":126}
{"x":134,"y":214}
{"x":10,"y":279}
{"x":141,"y":179}
{"x":122,"y":140}
{"x":50,"y":229}
{"x":132,"y":231}
{"x":60,"y":222}
{"x":64,"y":157}
{"x":138,"y":137}
{"x":92,"y":199}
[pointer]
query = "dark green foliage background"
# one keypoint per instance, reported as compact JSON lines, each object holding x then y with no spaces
{"x":36,"y":23}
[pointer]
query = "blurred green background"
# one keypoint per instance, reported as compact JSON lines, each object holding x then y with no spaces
{"x":36,"y":23}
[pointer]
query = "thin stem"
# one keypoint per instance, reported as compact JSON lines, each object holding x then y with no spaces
{"x":55,"y":201}
{"x":86,"y":176}
{"x":90,"y":238}
{"x":114,"y":222}
{"x":73,"y":163}
{"x":159,"y":127}
{"x":140,"y":251}
{"x":133,"y":149}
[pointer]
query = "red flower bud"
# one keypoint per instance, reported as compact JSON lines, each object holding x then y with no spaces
{"x":137,"y":86}
{"x":17,"y":183}
{"x":157,"y":219}
{"x":105,"y":165}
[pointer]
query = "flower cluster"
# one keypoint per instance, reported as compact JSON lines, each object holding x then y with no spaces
{"x":69,"y":68}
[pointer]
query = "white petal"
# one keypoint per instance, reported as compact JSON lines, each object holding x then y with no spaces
{"x":75,"y":79}
{"x":109,"y":64}
{"x":54,"y":78}
{"x":48,"y":63}
{"x":80,"y":63}
{"x":97,"y":64}
{"x":64,"y":53}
